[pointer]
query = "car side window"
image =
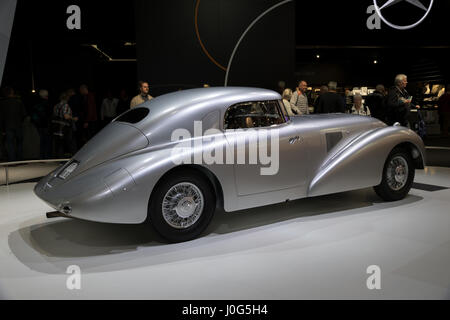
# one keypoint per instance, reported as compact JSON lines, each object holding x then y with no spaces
{"x":253,"y":115}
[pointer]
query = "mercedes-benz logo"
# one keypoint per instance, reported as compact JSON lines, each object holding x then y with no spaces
{"x":416,"y":3}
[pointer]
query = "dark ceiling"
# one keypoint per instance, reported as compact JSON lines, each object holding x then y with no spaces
{"x":334,"y":29}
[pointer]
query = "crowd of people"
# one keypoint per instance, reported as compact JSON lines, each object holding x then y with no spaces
{"x":64,"y":125}
{"x":390,"y":106}
{"x":68,"y":123}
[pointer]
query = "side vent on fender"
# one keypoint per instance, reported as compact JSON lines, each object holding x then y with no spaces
{"x":333,"y":139}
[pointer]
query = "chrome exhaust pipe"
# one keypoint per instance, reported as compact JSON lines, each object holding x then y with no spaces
{"x":55,"y":214}
{"x":63,"y":212}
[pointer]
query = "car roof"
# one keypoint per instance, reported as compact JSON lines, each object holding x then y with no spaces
{"x":182,"y":108}
{"x":222,"y":95}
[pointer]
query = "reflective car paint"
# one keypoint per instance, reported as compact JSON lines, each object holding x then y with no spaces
{"x":120,"y":167}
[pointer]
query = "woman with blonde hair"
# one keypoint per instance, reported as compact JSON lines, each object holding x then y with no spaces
{"x":291,"y":110}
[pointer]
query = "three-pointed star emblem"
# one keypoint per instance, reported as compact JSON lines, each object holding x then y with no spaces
{"x":417,"y":3}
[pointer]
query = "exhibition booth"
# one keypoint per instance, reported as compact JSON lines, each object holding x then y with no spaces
{"x":207,"y":188}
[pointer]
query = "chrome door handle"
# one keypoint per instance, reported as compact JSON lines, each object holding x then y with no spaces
{"x":294,"y":139}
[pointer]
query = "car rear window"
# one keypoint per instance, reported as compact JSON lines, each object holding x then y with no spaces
{"x":134,"y":115}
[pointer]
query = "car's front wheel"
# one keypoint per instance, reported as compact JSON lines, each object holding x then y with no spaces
{"x":182,"y":206}
{"x":398,"y":176}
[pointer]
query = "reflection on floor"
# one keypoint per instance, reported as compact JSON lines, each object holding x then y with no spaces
{"x":311,"y":248}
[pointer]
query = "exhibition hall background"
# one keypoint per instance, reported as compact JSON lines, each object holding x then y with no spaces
{"x":162,"y":35}
{"x":188,"y":43}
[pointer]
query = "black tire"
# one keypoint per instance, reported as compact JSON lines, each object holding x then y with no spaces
{"x":385,"y":190}
{"x":155,"y":213}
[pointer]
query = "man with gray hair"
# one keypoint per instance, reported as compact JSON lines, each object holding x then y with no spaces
{"x":299,"y":100}
{"x":331,"y":102}
{"x":399,"y":101}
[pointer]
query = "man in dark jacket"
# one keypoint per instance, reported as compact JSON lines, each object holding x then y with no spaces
{"x":84,"y":108}
{"x":41,"y":115}
{"x":399,"y":102}
{"x":323,"y":90}
{"x":376,"y":102}
{"x":12,"y":114}
{"x":331,"y":102}
{"x":90,"y":113}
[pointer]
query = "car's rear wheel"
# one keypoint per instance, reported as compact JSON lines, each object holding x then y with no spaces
{"x":398,"y":176}
{"x":182,"y":206}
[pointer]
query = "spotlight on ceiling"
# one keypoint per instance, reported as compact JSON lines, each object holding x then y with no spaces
{"x":318,"y":56}
{"x":375,"y":61}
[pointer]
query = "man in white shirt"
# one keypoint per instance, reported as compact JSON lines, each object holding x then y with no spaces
{"x":143,"y":95}
{"x":108,"y":110}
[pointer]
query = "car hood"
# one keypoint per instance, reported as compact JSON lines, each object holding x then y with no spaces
{"x":337,"y":120}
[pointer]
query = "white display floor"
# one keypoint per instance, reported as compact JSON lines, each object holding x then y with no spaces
{"x":316,"y":248}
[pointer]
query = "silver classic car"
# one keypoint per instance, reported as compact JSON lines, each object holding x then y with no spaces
{"x":175,"y":159}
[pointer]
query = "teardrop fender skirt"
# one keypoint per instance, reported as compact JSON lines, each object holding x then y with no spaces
{"x":113,"y":199}
{"x":360,"y":164}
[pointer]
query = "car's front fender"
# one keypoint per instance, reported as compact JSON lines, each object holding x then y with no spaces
{"x":360,"y":163}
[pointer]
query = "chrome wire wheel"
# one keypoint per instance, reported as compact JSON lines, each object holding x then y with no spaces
{"x":397,"y":173}
{"x":182,"y":206}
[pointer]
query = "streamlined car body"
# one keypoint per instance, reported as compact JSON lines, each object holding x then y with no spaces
{"x":173,"y":160}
